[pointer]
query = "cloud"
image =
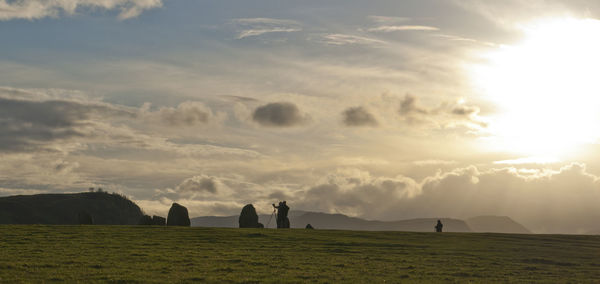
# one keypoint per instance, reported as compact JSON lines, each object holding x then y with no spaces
{"x":443,"y":116}
{"x":465,"y":40}
{"x":464,"y":110}
{"x":468,"y":113}
{"x":356,"y":193}
{"x":51,"y":120}
{"x":241,"y":99}
{"x":388,"y":20}
{"x":387,"y":29}
{"x":195,"y":207}
{"x":39,"y":172}
{"x":31,"y":123}
{"x":257,"y":32}
{"x":185,"y":114}
{"x":38,"y":9}
{"x":434,"y":163}
{"x":409,"y":106}
{"x":528,"y":161}
{"x":512,"y":13}
{"x":250,"y":27}
{"x":207,"y":191}
{"x":394,"y":24}
{"x":524,"y":195}
{"x":358,"y":116}
{"x":345,"y":39}
{"x":199,"y":184}
{"x":279,"y":114}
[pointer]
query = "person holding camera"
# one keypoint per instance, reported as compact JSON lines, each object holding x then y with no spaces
{"x":282,"y":215}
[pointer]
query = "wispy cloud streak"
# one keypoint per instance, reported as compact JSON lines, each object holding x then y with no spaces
{"x":250,"y":27}
{"x":38,"y":9}
{"x":387,"y":29}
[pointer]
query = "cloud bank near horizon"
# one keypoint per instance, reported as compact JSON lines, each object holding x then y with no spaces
{"x":522,"y":194}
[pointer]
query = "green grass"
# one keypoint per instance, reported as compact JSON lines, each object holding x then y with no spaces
{"x":166,"y":254}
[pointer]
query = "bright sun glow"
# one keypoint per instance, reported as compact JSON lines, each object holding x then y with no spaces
{"x":547,"y":88}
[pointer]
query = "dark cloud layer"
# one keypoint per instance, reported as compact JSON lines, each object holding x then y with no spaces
{"x":199,"y":184}
{"x":29,"y":124}
{"x":358,"y":116}
{"x":280,"y":114}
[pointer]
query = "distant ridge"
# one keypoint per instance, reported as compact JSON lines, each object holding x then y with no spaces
{"x":496,"y":224}
{"x":115,"y":209}
{"x":343,"y":222}
{"x":63,"y":209}
{"x":299,"y":219}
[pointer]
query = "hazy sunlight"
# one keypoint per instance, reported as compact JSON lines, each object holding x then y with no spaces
{"x":546,"y":88}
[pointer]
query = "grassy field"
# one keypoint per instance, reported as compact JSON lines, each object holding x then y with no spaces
{"x":166,"y":254}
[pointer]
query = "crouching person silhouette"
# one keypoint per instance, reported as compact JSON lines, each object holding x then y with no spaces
{"x":439,"y":226}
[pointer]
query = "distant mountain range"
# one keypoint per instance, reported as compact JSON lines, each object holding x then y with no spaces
{"x":64,"y":209}
{"x":299,"y":219}
{"x":115,"y":209}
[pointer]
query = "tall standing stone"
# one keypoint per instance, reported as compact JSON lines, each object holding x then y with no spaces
{"x":158,"y":221}
{"x":178,"y":216}
{"x":249,"y":218}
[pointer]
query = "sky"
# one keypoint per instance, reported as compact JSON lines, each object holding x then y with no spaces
{"x":383,"y":110}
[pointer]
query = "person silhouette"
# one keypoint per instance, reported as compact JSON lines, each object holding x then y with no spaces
{"x":282,"y":215}
{"x":439,"y":226}
{"x":278,"y":215}
{"x":284,"y":218}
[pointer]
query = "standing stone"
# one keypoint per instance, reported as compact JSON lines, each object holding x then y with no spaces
{"x":158,"y":221}
{"x":178,"y":216}
{"x":249,"y":218}
{"x":145,"y":220}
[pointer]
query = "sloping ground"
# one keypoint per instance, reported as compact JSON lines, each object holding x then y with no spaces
{"x":146,"y":254}
{"x":338,"y":222}
{"x":105,"y":208}
{"x":496,"y":224}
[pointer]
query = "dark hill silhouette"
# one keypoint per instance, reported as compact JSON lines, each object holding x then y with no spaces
{"x":299,"y":219}
{"x":496,"y":224}
{"x":64,"y":209}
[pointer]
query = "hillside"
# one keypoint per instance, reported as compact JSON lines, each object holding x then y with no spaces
{"x":105,"y":208}
{"x":150,"y":254}
{"x":299,"y":219}
{"x":496,"y":224}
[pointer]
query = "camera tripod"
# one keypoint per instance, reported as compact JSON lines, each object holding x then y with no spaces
{"x":271,"y":218}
